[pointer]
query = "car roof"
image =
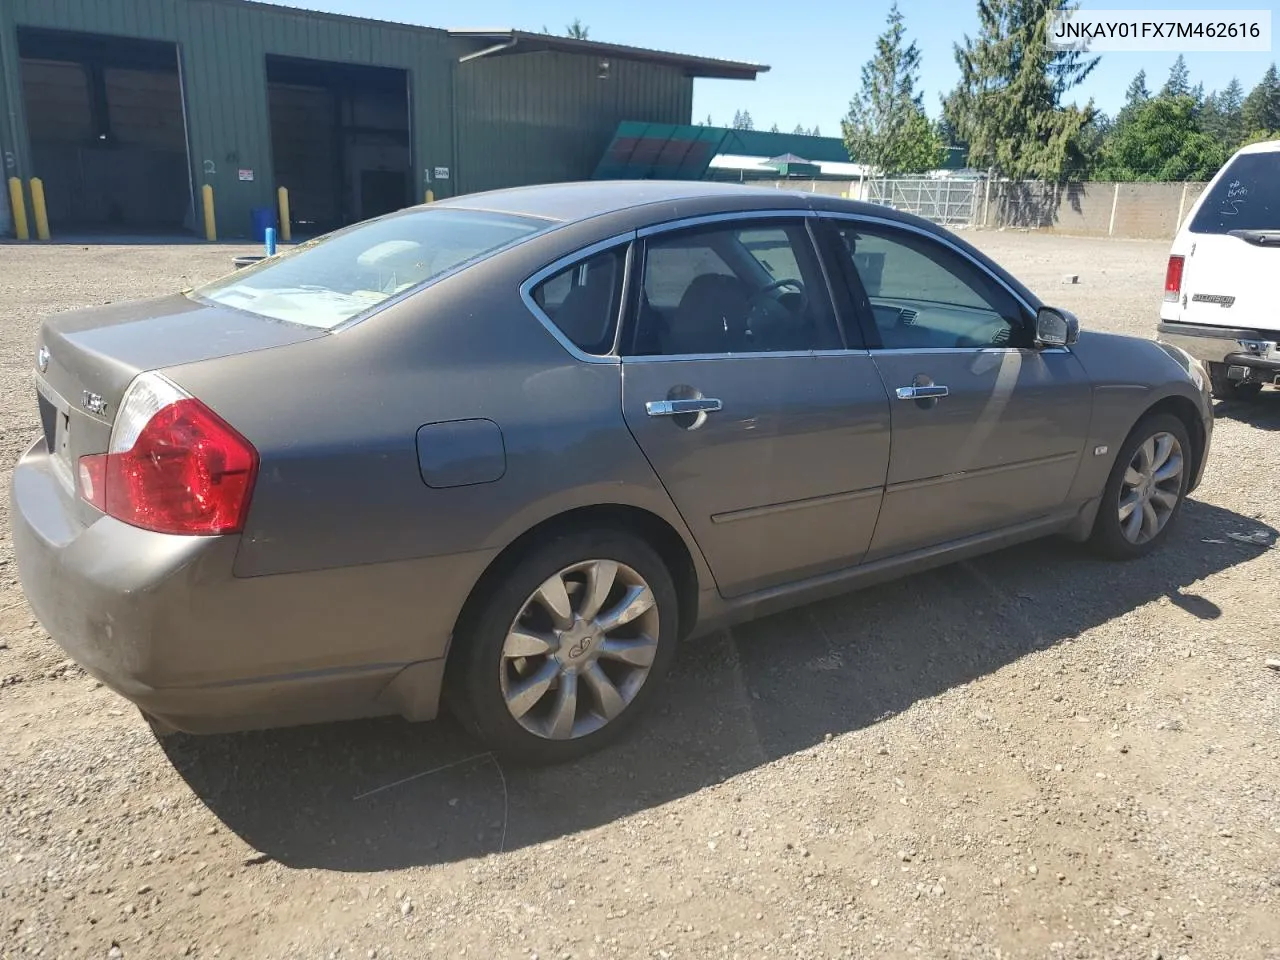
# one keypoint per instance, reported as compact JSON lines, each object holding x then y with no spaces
{"x":616,"y":206}
{"x":1263,"y":146}
{"x":582,"y":200}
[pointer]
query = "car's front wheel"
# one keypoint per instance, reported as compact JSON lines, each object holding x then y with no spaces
{"x":1146,"y":488}
{"x":565,"y":650}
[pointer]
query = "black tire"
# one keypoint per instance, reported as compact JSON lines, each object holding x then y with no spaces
{"x":1224,"y":389}
{"x":1108,"y":538}
{"x":473,"y":682}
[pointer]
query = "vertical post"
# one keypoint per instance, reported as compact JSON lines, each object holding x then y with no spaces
{"x":38,"y":209}
{"x":210,"y":222}
{"x":1182,"y":205}
{"x":18,"y":202}
{"x":1115,"y":200}
{"x":286,"y":227}
{"x":430,"y":196}
{"x":269,"y":241}
{"x":986,"y":201}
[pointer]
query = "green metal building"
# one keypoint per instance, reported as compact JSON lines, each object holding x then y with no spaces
{"x":126,"y":109}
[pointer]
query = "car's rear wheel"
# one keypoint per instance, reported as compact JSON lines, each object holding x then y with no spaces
{"x":1146,"y":488}
{"x":1227,"y":389}
{"x":565,"y":650}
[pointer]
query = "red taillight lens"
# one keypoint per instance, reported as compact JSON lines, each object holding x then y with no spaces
{"x":1173,"y":278}
{"x":187,"y":472}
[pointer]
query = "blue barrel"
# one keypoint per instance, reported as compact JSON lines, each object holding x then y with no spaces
{"x":263,"y":217}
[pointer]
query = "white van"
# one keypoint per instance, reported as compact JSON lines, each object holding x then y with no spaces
{"x":1219,"y":304}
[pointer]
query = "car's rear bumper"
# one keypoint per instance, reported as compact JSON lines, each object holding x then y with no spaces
{"x":1230,"y":346}
{"x":161,"y":620}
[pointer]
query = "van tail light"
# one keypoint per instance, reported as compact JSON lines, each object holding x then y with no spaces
{"x":1173,"y":279}
{"x":173,"y":465}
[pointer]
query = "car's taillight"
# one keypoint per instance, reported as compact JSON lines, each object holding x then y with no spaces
{"x":1173,"y":278}
{"x":173,"y":465}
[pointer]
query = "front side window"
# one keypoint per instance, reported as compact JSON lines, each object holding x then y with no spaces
{"x":734,"y":288}
{"x":582,"y":300}
{"x":922,"y":295}
{"x":1246,"y":196}
{"x":336,"y":277}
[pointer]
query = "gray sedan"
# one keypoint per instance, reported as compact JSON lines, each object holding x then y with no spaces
{"x":505,"y":451}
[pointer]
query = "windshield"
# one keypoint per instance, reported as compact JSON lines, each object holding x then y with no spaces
{"x":1246,"y":196}
{"x":331,"y":279}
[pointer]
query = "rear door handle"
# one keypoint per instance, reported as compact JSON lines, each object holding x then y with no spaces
{"x":930,"y":392}
{"x":672,"y":408}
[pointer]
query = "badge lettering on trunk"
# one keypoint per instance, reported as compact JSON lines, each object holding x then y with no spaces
{"x":1220,"y":299}
{"x":93,"y":402}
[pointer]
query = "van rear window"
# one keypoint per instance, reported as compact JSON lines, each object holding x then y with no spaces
{"x":1246,"y":196}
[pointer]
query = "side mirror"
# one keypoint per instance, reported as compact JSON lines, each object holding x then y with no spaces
{"x":1056,"y":327}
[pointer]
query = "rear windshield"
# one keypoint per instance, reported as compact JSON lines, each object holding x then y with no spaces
{"x":1246,"y":196}
{"x":329,"y":280}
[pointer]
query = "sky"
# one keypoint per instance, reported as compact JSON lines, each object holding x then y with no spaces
{"x":815,"y":49}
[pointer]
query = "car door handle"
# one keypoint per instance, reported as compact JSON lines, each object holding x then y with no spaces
{"x":672,"y":408}
{"x":930,"y":392}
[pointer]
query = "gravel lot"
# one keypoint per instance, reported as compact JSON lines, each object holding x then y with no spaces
{"x":1033,"y":754}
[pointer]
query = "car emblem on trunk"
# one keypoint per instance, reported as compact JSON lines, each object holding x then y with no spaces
{"x":42,"y":358}
{"x":93,"y":402}
{"x":1220,"y":299}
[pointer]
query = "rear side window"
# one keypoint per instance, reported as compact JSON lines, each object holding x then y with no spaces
{"x":336,"y":277}
{"x":1246,"y":196}
{"x":583,"y":300}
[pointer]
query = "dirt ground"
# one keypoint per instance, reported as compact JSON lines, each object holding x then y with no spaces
{"x":1035,"y":754}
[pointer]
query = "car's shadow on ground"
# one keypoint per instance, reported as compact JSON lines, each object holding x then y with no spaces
{"x":339,"y":796}
{"x":1261,"y":412}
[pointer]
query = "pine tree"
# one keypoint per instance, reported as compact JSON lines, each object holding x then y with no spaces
{"x":1222,"y":116}
{"x":1137,"y":92}
{"x":1179,"y":82}
{"x":709,"y":122}
{"x":577,"y":30}
{"x":882,"y":128}
{"x":799,"y":131}
{"x":1261,"y":109}
{"x":1008,"y":104}
{"x":742,"y":120}
{"x":774,"y":129}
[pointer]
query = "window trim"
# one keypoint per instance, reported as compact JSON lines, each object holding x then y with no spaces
{"x":571,"y":260}
{"x":806,"y":218}
{"x":858,"y":295}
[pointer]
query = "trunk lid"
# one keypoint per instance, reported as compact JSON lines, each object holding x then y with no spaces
{"x":86,"y":359}
{"x":1234,"y":254}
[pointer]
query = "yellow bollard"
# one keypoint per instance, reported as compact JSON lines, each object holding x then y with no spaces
{"x":431,"y":196}
{"x":286,"y":228}
{"x":19,"y":205}
{"x":210,"y":224}
{"x":38,"y":209}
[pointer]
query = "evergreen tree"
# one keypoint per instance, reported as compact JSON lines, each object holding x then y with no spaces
{"x":886,"y":126}
{"x":577,"y":30}
{"x":742,"y":120}
{"x":799,"y":130}
{"x":1008,"y":104}
{"x":1179,"y":82}
{"x":1261,"y":109}
{"x":774,"y":129}
{"x":1222,"y":116}
{"x":1137,"y":92}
